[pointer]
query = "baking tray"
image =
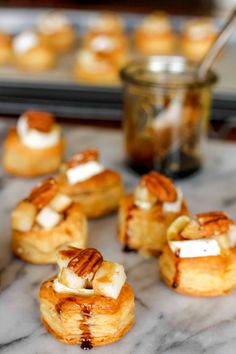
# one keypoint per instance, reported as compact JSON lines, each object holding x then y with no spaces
{"x":56,"y":91}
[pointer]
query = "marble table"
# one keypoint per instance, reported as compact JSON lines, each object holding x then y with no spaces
{"x":165,"y":321}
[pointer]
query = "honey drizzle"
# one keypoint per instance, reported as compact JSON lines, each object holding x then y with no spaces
{"x":86,"y":338}
{"x":127,"y":231}
{"x":175,"y":283}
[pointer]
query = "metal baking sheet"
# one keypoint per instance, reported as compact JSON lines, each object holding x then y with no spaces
{"x":57,"y":91}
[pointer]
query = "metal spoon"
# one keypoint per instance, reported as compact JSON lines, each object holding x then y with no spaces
{"x":216,"y":47}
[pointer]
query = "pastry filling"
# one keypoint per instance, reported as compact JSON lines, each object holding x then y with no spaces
{"x":84,"y":272}
{"x":103,"y":43}
{"x":92,"y":60}
{"x":38,"y":130}
{"x":52,"y":22}
{"x":155,"y":188}
{"x":45,"y":207}
{"x":83,"y":166}
{"x":206,"y":235}
{"x":25,"y":41}
{"x":174,"y":207}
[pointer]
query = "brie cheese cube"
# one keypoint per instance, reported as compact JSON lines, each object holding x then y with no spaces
{"x":195,"y":248}
{"x":68,"y":278}
{"x":60,"y":202}
{"x":61,"y":288}
{"x":48,"y":218}
{"x":109,"y":279}
{"x":83,"y":172}
{"x":23,"y":216}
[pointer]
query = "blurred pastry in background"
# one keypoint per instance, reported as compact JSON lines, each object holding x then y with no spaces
{"x":31,"y":54}
{"x":106,"y":23}
{"x":197,"y":37}
{"x":199,"y":258}
{"x":44,"y":221}
{"x":89,"y":301}
{"x":5,"y":48}
{"x":155,"y":35}
{"x":145,"y":215}
{"x":56,"y":31}
{"x":97,"y":189}
{"x":35,"y":147}
{"x":115,"y":46}
{"x":98,"y":66}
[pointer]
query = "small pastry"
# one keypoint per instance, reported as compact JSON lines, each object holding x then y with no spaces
{"x":35,"y":147}
{"x":199,"y":258}
{"x":197,"y":37}
{"x":114,"y":47}
{"x":44,"y":221}
{"x":56,"y":31}
{"x":98,"y":190}
{"x":5,"y":48}
{"x":98,"y":66}
{"x":31,"y":54}
{"x":155,"y":35}
{"x":145,"y":216}
{"x":106,"y":23}
{"x":89,"y":302}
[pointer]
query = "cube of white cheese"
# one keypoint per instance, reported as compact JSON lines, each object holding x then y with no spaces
{"x":109,"y":279}
{"x":48,"y":218}
{"x":60,"y":202}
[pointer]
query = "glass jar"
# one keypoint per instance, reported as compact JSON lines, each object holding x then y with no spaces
{"x":166,"y":111}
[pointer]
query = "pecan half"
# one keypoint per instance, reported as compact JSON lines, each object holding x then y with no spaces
{"x":69,"y":252}
{"x":86,"y":263}
{"x":41,"y":121}
{"x":160,"y":186}
{"x":83,"y":157}
{"x":213,"y":223}
{"x":42,"y":194}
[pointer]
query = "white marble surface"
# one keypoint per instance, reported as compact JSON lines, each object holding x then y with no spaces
{"x":165,"y":321}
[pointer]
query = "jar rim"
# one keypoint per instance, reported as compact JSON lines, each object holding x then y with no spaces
{"x":134,"y":71}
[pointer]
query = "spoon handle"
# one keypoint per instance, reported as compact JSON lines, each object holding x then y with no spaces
{"x":218,"y":44}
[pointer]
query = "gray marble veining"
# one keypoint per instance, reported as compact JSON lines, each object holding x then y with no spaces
{"x":165,"y":321}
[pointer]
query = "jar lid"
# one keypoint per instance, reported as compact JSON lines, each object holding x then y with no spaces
{"x":165,"y":72}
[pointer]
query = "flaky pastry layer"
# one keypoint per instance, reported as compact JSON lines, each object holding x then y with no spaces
{"x":96,"y":319}
{"x":144,"y":230}
{"x":39,"y":245}
{"x":20,"y":160}
{"x":98,"y":195}
{"x":200,"y":276}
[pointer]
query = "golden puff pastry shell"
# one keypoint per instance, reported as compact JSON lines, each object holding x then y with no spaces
{"x":144,"y":230}
{"x":39,"y":245}
{"x":106,"y":320}
{"x":20,"y":160}
{"x":98,"y":195}
{"x":199,"y":276}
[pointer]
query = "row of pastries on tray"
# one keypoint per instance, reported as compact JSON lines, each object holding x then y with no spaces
{"x":89,"y":301}
{"x":106,"y":46}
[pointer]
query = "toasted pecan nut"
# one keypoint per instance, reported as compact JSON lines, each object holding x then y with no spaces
{"x":42,"y":194}
{"x":70,"y":252}
{"x":41,"y":121}
{"x":213,"y":223}
{"x":83,"y":157}
{"x":86,"y":263}
{"x":160,"y":186}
